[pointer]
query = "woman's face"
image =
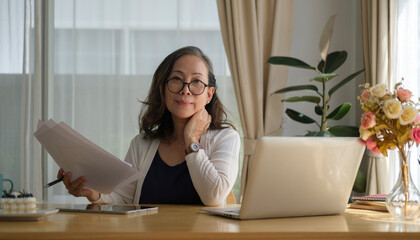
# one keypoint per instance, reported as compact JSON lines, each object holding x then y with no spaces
{"x":184,"y":104}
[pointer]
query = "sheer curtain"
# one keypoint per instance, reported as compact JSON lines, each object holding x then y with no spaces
{"x":20,"y":95}
{"x":105,"y":54}
{"x":407,"y":67}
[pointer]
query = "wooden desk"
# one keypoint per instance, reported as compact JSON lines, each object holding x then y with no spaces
{"x":187,"y":222}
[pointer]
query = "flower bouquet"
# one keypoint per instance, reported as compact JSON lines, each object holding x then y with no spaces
{"x":391,"y":121}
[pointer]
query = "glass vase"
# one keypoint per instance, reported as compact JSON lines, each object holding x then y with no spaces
{"x":403,"y":202}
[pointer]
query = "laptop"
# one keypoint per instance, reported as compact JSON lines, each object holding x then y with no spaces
{"x":298,"y":176}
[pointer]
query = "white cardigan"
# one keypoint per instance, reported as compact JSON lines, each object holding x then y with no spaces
{"x":213,"y":169}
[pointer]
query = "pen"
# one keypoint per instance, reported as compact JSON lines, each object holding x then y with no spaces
{"x":54,"y":182}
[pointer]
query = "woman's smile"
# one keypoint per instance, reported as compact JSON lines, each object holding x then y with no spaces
{"x":183,"y":103}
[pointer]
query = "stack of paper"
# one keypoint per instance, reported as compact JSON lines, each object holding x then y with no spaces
{"x":76,"y":154}
{"x":371,"y":202}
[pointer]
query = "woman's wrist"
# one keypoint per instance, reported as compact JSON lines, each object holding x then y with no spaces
{"x":188,"y":141}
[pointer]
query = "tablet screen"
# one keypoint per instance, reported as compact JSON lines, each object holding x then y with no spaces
{"x":113,"y":209}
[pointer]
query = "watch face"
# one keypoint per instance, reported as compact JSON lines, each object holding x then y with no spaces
{"x":195,"y":147}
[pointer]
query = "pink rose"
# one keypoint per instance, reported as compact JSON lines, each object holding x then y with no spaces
{"x":376,"y":150}
{"x":370,"y":144}
{"x":368,"y":120}
{"x":417,"y":120}
{"x":415,"y":134}
{"x":404,"y":94}
{"x":366,"y":94}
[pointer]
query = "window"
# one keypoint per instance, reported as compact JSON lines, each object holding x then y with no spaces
{"x":11,"y":79}
{"x":408,"y":60}
{"x":105,"y":53}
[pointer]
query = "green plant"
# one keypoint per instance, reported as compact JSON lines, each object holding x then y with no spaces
{"x":325,"y":70}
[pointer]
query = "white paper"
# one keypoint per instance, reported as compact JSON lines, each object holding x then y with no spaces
{"x":76,"y":154}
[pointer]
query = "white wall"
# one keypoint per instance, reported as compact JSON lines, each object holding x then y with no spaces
{"x":309,"y":20}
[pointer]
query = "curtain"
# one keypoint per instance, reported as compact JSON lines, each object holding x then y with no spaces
{"x":378,"y":20}
{"x":407,"y":67}
{"x":252,"y":32}
{"x":20,"y":95}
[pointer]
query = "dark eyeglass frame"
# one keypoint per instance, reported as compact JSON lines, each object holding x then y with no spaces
{"x":188,"y":84}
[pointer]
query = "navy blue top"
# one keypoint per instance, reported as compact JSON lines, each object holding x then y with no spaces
{"x":166,"y":184}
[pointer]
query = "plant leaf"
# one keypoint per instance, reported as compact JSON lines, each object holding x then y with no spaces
{"x":313,"y":99}
{"x":319,"y":110}
{"x":343,"y":82}
{"x":299,"y":117}
{"x":334,"y":61}
{"x":344,"y":131}
{"x":324,"y":77}
{"x":325,"y":41}
{"x":297,"y":88}
{"x":289,"y":61}
{"x":340,"y":111}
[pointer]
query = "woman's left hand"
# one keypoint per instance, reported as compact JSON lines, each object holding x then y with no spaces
{"x":196,"y":126}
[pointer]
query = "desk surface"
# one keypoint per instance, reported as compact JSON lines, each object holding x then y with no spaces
{"x":188,"y":222}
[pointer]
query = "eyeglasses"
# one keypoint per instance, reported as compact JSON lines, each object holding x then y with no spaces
{"x":196,"y":87}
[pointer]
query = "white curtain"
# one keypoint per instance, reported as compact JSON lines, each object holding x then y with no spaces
{"x":407,"y":67}
{"x":20,"y":96}
{"x":104,"y":56}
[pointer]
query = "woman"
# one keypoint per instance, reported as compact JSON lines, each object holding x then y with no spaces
{"x":186,"y":151}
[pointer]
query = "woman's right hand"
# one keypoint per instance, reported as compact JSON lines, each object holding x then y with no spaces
{"x":197,"y":125}
{"x":77,"y":187}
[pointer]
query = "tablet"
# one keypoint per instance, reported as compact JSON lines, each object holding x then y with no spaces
{"x":111,"y":209}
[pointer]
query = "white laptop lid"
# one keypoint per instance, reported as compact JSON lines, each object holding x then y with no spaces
{"x":301,"y":176}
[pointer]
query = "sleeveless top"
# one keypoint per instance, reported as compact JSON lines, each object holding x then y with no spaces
{"x":166,"y":184}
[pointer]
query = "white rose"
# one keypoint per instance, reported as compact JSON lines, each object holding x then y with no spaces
{"x":373,"y":100}
{"x":392,"y":108}
{"x":408,"y":115}
{"x":379,"y":90}
{"x":365,"y":133}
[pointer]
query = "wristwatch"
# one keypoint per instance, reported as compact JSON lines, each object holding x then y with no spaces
{"x":194,"y":147}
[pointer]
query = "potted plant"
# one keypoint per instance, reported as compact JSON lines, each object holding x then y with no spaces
{"x":325,"y":71}
{"x":321,"y":97}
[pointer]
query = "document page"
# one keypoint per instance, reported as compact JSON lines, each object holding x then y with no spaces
{"x":76,"y":154}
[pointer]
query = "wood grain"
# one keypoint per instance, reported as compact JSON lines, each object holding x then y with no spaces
{"x":188,"y":222}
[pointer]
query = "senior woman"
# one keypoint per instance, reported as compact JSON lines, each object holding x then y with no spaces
{"x":186,"y":151}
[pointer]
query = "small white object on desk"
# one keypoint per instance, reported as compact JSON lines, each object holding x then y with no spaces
{"x":23,"y":203}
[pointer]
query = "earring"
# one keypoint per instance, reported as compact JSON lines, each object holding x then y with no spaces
{"x":208,"y":101}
